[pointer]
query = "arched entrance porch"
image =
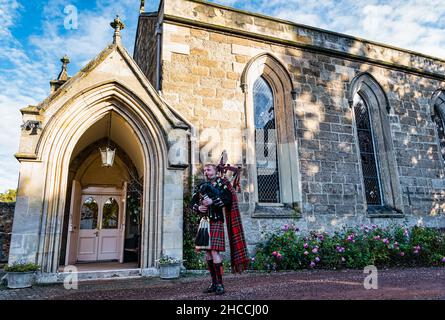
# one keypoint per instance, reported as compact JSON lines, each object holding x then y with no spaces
{"x":149,"y":134}
{"x":102,"y":220}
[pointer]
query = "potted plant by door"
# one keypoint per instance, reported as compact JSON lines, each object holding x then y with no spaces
{"x":169,"y":267}
{"x":21,"y":275}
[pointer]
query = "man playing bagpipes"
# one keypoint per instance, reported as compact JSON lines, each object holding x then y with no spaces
{"x":215,"y":199}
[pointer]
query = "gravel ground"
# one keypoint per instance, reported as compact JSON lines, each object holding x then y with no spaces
{"x":414,"y":283}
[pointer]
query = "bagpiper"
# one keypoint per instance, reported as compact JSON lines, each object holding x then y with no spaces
{"x":216,"y":201}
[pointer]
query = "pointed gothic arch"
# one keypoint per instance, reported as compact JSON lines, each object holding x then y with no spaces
{"x":367,"y":94}
{"x":272,"y":72}
{"x":151,"y":126}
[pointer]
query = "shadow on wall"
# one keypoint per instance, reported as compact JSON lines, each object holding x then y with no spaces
{"x":328,"y":142}
{"x":6,"y":217}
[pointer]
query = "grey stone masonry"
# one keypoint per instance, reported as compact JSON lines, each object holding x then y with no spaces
{"x":207,"y":52}
{"x":6,"y":216}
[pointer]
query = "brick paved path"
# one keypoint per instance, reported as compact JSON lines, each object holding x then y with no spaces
{"x":419,"y":283}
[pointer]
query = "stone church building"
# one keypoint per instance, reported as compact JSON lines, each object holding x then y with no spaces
{"x":329,"y":129}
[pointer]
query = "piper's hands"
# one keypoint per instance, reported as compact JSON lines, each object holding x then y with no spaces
{"x":202,"y":209}
{"x":207,"y":202}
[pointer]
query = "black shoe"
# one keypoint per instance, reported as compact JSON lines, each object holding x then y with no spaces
{"x":219,"y":289}
{"x":210,"y":289}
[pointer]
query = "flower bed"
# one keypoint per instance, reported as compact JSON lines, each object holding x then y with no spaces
{"x":289,"y":249}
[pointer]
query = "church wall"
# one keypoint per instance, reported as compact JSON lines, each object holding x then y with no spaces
{"x":202,"y":64}
{"x":145,"y":46}
{"x":26,"y":232}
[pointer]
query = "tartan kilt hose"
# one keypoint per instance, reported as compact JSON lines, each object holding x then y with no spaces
{"x":217,"y":236}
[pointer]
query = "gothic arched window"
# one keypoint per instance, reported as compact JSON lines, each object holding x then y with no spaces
{"x":368,"y":156}
{"x":379,"y":173}
{"x":265,"y":142}
{"x":439,"y":118}
{"x":271,"y":156}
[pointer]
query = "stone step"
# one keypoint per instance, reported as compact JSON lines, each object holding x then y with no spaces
{"x":90,"y":275}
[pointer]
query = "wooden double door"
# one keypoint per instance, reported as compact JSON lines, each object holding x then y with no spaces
{"x":97,"y":226}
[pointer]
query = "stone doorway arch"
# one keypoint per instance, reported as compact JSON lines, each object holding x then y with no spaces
{"x":158,"y":133}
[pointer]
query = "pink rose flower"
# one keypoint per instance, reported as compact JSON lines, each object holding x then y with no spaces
{"x":274,"y":253}
{"x":312,"y":264}
{"x":306,"y":253}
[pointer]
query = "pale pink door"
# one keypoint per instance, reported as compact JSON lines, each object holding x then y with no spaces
{"x":73,"y":224}
{"x":100,"y":228}
{"x":88,"y":228}
{"x":109,"y":233}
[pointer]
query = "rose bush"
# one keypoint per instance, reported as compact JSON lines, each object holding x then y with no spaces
{"x":393,"y":246}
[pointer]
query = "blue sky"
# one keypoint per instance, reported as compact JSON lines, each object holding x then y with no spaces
{"x":34,"y":36}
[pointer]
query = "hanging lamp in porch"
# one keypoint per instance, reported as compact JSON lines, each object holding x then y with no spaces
{"x":107,"y":154}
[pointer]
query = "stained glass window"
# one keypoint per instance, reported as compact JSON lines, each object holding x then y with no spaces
{"x":268,"y":183}
{"x":438,"y":119}
{"x":367,"y":153}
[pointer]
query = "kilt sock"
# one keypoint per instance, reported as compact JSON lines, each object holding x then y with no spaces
{"x":211,"y":267}
{"x":219,"y":272}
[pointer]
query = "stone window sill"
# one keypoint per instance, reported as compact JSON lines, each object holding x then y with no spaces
{"x":276,"y":210}
{"x":383,"y":212}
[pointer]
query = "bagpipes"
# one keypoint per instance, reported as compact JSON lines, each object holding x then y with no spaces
{"x":204,"y":191}
{"x":222,"y":168}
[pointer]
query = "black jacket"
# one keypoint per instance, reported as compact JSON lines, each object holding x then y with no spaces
{"x":220,"y":195}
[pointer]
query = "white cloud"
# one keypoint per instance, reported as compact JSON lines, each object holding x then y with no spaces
{"x":25,"y":74}
{"x":10,"y":57}
{"x":226,"y":2}
{"x":8,"y":12}
{"x":411,"y":24}
{"x":418,"y":25}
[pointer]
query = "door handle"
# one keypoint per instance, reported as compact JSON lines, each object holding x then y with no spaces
{"x":96,"y":233}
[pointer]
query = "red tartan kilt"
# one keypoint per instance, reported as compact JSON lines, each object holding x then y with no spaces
{"x":217,"y":239}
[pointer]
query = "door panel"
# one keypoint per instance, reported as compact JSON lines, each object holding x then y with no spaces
{"x":109,"y":229}
{"x":89,"y":215}
{"x":73,"y":223}
{"x":100,"y":228}
{"x":87,"y":246}
{"x":123,"y":221}
{"x":108,"y":246}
